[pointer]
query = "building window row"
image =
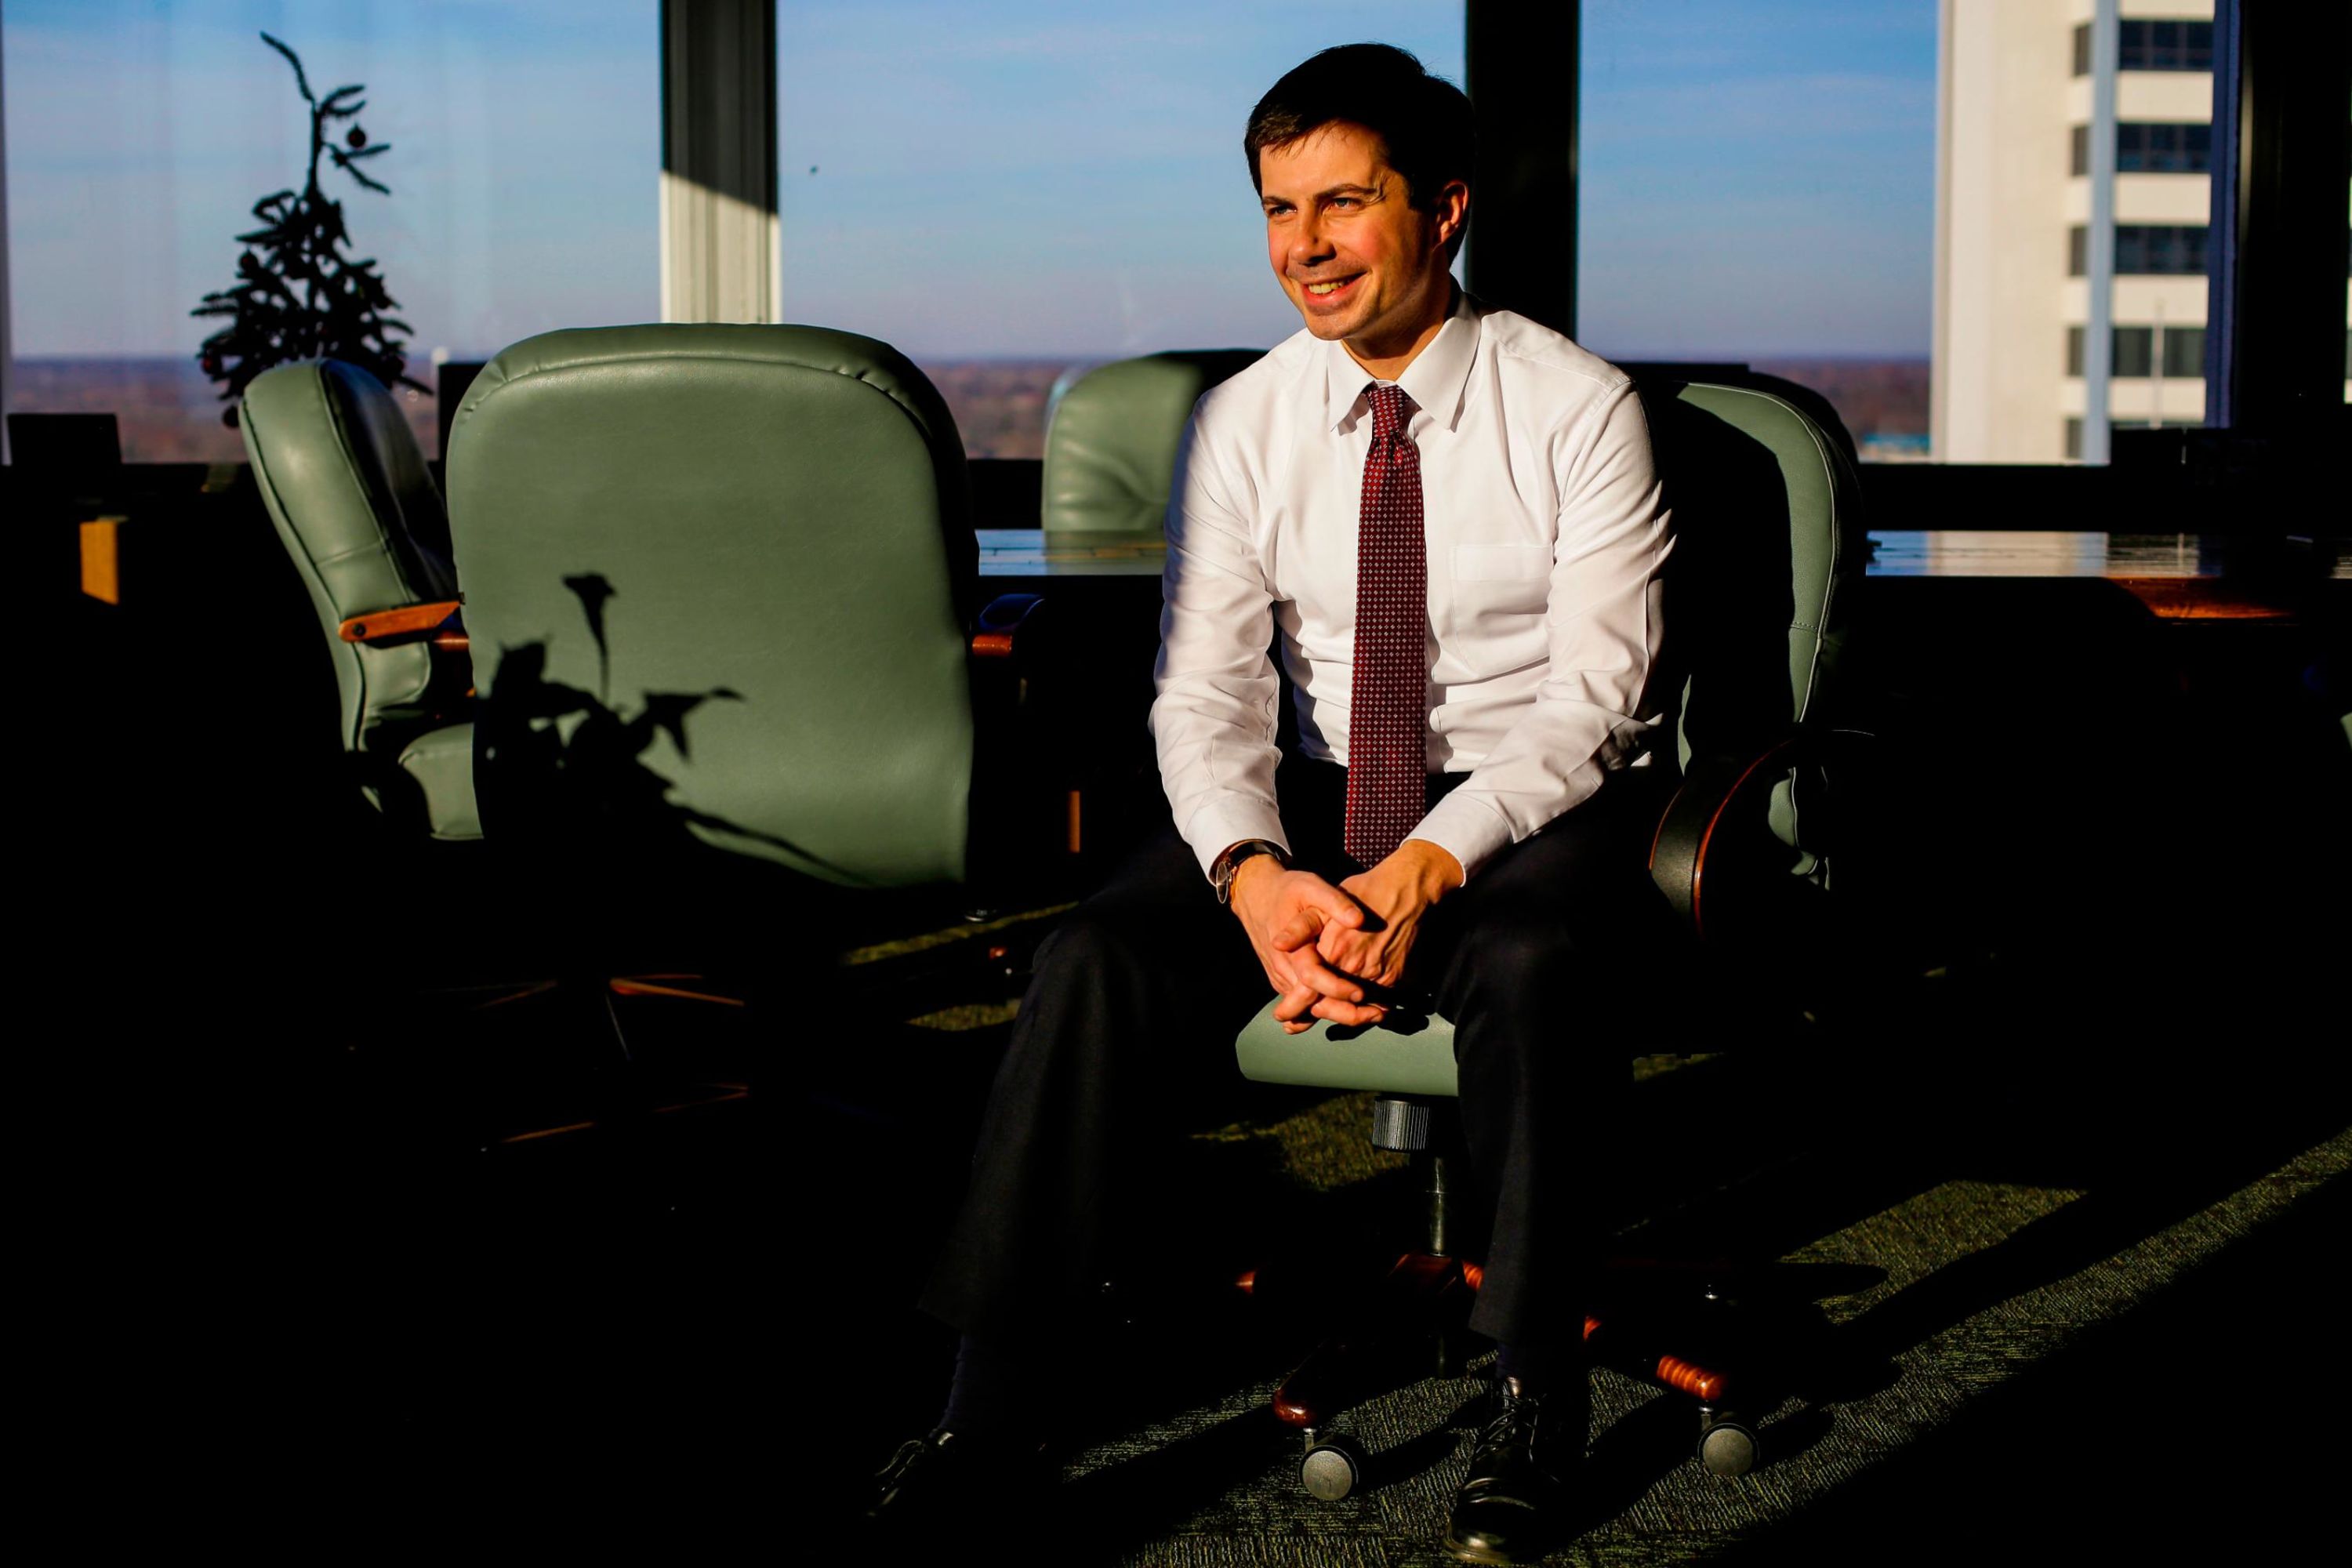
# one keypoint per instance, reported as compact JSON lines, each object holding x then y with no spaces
{"x":2075,"y":431}
{"x":2134,"y":353}
{"x":2146,"y":249}
{"x":2152,"y":46}
{"x":2151,"y":147}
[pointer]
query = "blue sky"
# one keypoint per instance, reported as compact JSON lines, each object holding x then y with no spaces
{"x":1759,"y":177}
{"x":1030,"y":178}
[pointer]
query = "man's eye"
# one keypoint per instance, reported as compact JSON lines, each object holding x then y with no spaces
{"x":1344,"y":202}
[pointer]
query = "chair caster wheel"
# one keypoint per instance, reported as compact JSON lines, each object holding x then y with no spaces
{"x":1726,"y":1444}
{"x":1332,"y":1468}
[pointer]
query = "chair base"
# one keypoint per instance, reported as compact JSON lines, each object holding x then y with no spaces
{"x":1426,"y":1296}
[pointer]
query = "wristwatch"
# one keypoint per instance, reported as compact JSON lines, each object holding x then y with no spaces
{"x":1221,"y":870}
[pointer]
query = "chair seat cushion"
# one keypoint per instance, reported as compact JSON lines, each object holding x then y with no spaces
{"x":1406,"y":1054}
{"x":442,"y":763}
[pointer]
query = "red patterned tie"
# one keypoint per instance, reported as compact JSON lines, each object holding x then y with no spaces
{"x":1388,"y":717}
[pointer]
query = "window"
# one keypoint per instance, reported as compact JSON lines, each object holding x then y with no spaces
{"x":2184,"y":352}
{"x":2148,"y":148}
{"x":1758,"y":186}
{"x":525,"y":141}
{"x":2143,"y":251}
{"x":2177,"y":249}
{"x":2134,"y":354}
{"x":2152,"y":46}
{"x":1008,"y":193}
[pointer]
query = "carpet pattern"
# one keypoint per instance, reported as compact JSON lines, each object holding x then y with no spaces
{"x":1972,"y":1287}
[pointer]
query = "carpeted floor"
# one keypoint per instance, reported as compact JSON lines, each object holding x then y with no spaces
{"x":1941,"y":1344}
{"x":2010,"y":1299}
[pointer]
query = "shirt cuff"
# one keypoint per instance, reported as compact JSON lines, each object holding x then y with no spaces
{"x":1466,"y":828}
{"x":1226,"y":820}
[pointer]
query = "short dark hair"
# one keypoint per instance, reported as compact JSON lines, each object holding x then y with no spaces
{"x":1423,"y":121}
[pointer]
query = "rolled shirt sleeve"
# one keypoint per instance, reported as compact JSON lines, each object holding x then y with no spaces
{"x":1594,"y":712}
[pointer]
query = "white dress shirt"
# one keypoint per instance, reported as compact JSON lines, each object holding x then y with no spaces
{"x":1547,"y":535}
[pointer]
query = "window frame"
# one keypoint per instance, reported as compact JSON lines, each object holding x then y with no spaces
{"x":1526,"y":89}
{"x":2166,"y":44}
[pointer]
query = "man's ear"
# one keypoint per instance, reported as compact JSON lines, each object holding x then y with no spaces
{"x":1453,"y":210}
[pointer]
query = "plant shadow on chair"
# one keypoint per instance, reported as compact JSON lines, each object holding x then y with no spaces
{"x":572,"y":792}
{"x":638,"y":911}
{"x":568,"y":787}
{"x":568,"y":770}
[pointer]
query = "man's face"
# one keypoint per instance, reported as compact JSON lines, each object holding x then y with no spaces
{"x":1353,"y":254}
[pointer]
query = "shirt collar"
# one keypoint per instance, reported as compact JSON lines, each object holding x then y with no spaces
{"x":1436,"y":380}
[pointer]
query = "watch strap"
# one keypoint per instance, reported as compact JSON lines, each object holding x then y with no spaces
{"x":1222,"y":872}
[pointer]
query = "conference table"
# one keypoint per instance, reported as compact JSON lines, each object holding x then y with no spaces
{"x":2176,"y":576}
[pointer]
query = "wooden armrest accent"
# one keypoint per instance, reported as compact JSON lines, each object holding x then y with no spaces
{"x":666,"y":985}
{"x":408,"y":620}
{"x":1710,"y":786}
{"x":1678,"y":852}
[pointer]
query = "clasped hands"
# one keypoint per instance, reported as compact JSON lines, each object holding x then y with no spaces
{"x":1321,"y":944}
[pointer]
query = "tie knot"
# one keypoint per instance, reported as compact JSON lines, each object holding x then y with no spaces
{"x":1389,"y":408}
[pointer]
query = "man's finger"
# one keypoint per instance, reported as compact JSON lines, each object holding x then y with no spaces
{"x":1328,"y":901}
{"x":1293,"y":1005}
{"x":1298,"y":931}
{"x":1349,"y":1013}
{"x":1345,"y":911}
{"x":1312,"y":972}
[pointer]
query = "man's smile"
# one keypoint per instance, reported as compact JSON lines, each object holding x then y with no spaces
{"x":1330,"y":288}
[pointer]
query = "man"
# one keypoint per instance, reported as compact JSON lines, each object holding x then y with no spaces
{"x":1450,"y":515}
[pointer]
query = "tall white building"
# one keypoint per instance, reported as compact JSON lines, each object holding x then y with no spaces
{"x":2015,"y":204}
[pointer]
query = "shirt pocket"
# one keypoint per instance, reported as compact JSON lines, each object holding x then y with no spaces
{"x":1506,"y":577}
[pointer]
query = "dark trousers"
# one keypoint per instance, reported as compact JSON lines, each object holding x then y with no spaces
{"x":1545,"y":960}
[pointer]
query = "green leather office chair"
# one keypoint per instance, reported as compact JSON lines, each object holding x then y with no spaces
{"x":349,"y":493}
{"x":1111,"y":437}
{"x":718,"y":579}
{"x":1770,"y":541}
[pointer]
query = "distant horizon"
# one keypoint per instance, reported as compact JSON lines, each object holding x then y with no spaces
{"x":168,"y":410}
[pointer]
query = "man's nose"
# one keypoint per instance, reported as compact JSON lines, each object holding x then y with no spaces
{"x":1307,"y":244}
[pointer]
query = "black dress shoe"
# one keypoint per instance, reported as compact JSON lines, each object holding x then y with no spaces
{"x":944,"y":1483}
{"x":1508,"y":1508}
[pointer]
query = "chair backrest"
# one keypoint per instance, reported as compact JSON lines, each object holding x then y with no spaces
{"x":1112,"y":436}
{"x":718,"y":577}
{"x":1768,"y":544}
{"x":347,"y":489}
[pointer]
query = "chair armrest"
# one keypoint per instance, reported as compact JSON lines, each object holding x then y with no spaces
{"x":1711,"y":786}
{"x":1000,"y":624}
{"x":407,"y":623}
